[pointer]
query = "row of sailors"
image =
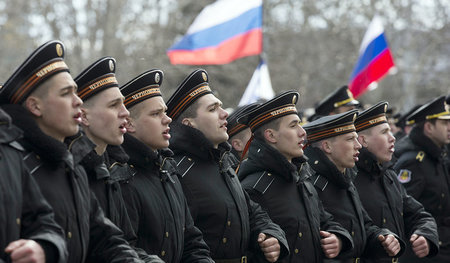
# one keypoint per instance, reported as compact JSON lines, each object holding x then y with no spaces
{"x":112,"y":191}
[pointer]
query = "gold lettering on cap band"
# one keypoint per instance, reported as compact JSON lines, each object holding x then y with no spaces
{"x":190,"y":97}
{"x":345,"y":128}
{"x":100,"y":83}
{"x":283,"y":110}
{"x":371,"y":122}
{"x":35,"y":78}
{"x":316,"y":136}
{"x":145,"y":93}
{"x":271,"y":115}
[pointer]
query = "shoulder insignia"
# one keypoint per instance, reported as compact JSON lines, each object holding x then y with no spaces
{"x":404,"y":176}
{"x":420,"y":156}
{"x":32,"y":162}
{"x":263,"y":183}
{"x":319,"y":181}
{"x":184,"y":165}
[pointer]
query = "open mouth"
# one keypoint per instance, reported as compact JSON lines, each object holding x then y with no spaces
{"x":123,"y":127}
{"x":355,"y":157}
{"x":77,"y":117}
{"x":166,"y":134}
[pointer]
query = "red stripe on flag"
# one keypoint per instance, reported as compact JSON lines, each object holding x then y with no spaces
{"x":373,"y":72}
{"x":240,"y":46}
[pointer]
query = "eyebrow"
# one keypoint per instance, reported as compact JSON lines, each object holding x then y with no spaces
{"x":217,"y":103}
{"x":120,"y":99}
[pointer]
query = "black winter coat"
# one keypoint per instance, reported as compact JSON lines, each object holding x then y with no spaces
{"x":229,"y":220}
{"x":285,"y":192}
{"x":422,"y":171}
{"x":63,"y":181}
{"x":24,"y":213}
{"x":157,"y":206}
{"x":388,"y":204}
{"x":340,"y":197}
{"x":100,"y":173}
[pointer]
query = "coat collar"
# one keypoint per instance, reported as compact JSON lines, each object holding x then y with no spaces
{"x":192,"y":141}
{"x":263,"y":157}
{"x":48,"y":148}
{"x":323,"y":166}
{"x":426,"y":144}
{"x":8,"y":132}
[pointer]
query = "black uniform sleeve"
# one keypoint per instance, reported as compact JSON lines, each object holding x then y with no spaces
{"x":373,"y":246}
{"x":328,"y":224}
{"x":107,"y":243}
{"x":418,"y":221}
{"x":195,"y":248}
{"x":260,"y":222}
{"x":38,"y":221}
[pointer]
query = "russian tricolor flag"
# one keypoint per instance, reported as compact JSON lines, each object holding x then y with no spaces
{"x":375,"y":59}
{"x":224,"y":31}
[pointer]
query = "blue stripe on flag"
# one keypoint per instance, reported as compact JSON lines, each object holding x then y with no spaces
{"x":215,"y":35}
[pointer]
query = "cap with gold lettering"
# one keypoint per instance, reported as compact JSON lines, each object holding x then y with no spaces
{"x":373,"y":116}
{"x":46,"y":61}
{"x":193,"y":87}
{"x":447,"y":102}
{"x":99,"y":76}
{"x":340,"y":97}
{"x":331,"y":126}
{"x":434,"y":109}
{"x":281,"y":105}
{"x":142,"y":87}
{"x":233,"y":127}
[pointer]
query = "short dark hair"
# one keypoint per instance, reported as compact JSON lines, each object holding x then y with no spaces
{"x":189,"y":112}
{"x":420,"y":125}
{"x":259,"y":132}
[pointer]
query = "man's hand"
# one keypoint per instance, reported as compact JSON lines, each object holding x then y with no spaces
{"x":25,"y":251}
{"x":269,"y":246}
{"x":419,"y":245}
{"x":331,"y":244}
{"x":390,"y":244}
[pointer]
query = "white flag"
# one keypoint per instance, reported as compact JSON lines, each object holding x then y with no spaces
{"x":259,"y":87}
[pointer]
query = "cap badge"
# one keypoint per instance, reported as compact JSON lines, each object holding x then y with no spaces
{"x":157,"y":77}
{"x":294,"y":99}
{"x":385,"y":107}
{"x":59,"y":50}
{"x":354,"y":117}
{"x":111,"y":65}
{"x":205,"y":78}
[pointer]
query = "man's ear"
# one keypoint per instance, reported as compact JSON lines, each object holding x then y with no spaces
{"x":187,"y":122}
{"x":326,"y":146}
{"x":32,"y":104}
{"x":130,"y":125}
{"x":270,"y":136}
{"x":362,"y":139}
{"x":428,"y":128}
{"x":237,"y":145}
{"x":84,"y":118}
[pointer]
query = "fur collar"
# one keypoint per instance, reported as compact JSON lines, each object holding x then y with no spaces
{"x":189,"y":140}
{"x":420,"y":139}
{"x":323,"y":166}
{"x":34,"y":139}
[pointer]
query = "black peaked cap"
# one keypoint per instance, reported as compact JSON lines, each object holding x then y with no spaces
{"x":233,"y":127}
{"x":340,"y":97}
{"x":331,"y":126}
{"x":99,"y":76}
{"x":142,"y":87}
{"x":372,"y":116}
{"x":434,"y":109}
{"x":193,"y":87}
{"x":281,"y":105}
{"x":46,"y":61}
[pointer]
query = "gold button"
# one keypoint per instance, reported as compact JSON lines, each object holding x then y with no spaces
{"x":316,"y":162}
{"x":229,"y":223}
{"x":163,"y":253}
{"x":132,"y":166}
{"x":167,"y":234}
{"x":440,"y":243}
{"x":224,"y":240}
{"x":296,"y":251}
{"x":189,"y":159}
{"x":401,"y":213}
{"x":384,"y":220}
{"x":353,"y":233}
{"x":442,"y":195}
{"x":18,"y":221}
{"x":69,"y":234}
{"x":300,"y":234}
{"x":38,"y":157}
{"x":269,"y":174}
